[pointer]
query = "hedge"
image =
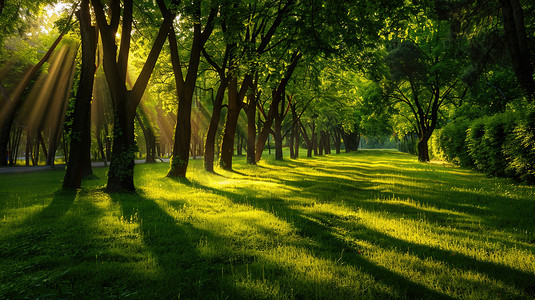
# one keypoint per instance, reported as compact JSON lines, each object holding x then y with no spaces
{"x":499,"y":145}
{"x":451,"y":141}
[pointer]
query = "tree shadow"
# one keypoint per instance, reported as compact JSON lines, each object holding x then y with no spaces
{"x":327,"y":243}
{"x":510,"y":276}
{"x":184,"y":271}
{"x":38,"y":244}
{"x":459,"y":207}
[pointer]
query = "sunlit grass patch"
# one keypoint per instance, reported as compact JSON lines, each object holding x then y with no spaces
{"x":370,"y":224}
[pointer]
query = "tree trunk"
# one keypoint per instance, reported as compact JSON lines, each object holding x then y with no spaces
{"x":150,"y":140}
{"x":5,"y":130}
{"x":321,"y":144}
{"x":277,"y":136}
{"x":209,"y":148}
{"x":234,"y":107}
{"x":291,"y":145}
{"x":278,"y":95}
{"x":251,"y":124}
{"x":263,"y":135}
{"x":327,"y":142}
{"x":314,"y":138}
{"x":14,"y":145}
{"x":121,"y":172}
{"x":182,"y":140}
{"x":308,"y":141}
{"x":337,"y":140}
{"x":423,"y":150}
{"x":294,"y":135}
{"x":28,"y":153}
{"x":296,"y":143}
{"x":185,"y":89}
{"x":517,"y":43}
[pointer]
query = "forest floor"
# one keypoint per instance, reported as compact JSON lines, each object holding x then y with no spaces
{"x":368,"y":224}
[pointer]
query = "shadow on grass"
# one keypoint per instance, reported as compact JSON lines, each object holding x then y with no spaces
{"x":184,"y":272}
{"x":327,"y":244}
{"x":422,"y":183}
{"x":510,"y":276}
{"x":38,"y":244}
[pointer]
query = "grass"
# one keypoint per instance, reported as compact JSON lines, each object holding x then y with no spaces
{"x":370,"y":224}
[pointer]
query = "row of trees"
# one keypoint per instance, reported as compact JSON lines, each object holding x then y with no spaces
{"x":257,"y":55}
{"x":205,"y":77}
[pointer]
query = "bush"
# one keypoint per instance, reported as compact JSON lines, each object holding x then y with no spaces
{"x":451,"y":139}
{"x":519,"y":150}
{"x":497,"y":129}
{"x":474,"y":142}
{"x":499,"y":145}
{"x":435,"y":151}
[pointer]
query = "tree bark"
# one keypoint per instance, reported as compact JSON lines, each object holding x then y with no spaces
{"x":294,"y":136}
{"x":517,"y":43}
{"x":251,"y":122}
{"x":209,"y":148}
{"x":14,"y":145}
{"x":308,"y":141}
{"x":314,"y":138}
{"x":423,"y":149}
{"x":277,"y":136}
{"x":337,"y":138}
{"x":234,"y":107}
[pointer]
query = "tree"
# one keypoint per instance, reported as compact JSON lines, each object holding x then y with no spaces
{"x":276,"y":108}
{"x":121,"y":172}
{"x":424,"y":76}
{"x":257,"y":40}
{"x":186,"y":86}
{"x":79,"y":164}
{"x":217,"y":104}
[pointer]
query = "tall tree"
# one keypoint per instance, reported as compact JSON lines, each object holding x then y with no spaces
{"x":256,"y":41}
{"x":424,"y":77}
{"x":278,"y":95}
{"x":221,"y":70}
{"x":79,"y":163}
{"x":125,"y":101}
{"x":186,"y":86}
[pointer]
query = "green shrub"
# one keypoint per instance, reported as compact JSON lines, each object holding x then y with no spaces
{"x":499,"y":145}
{"x":474,"y":141}
{"x":519,"y":150}
{"x":497,"y":129}
{"x":451,"y":139}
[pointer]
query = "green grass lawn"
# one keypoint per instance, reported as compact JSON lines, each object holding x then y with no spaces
{"x":370,"y":224}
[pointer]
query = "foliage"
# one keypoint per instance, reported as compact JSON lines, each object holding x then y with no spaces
{"x":519,"y":149}
{"x":500,"y":145}
{"x":451,"y":141}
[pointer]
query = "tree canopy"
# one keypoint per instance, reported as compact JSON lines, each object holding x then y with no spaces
{"x":182,"y":79}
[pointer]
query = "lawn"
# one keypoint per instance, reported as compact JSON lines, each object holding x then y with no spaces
{"x":368,"y":224}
